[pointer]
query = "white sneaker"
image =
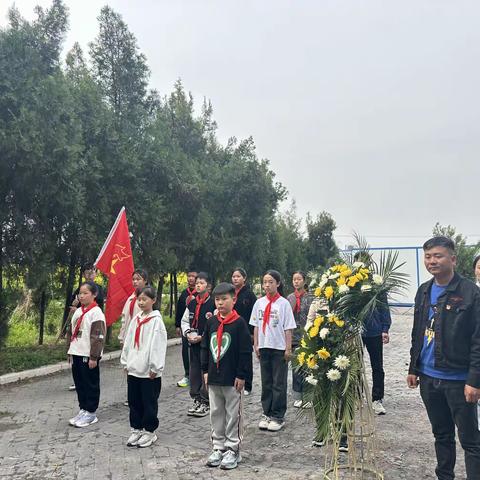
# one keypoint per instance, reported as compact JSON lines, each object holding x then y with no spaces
{"x":247,"y":393}
{"x":183,"y":382}
{"x":275,"y":425}
{"x":298,"y":403}
{"x":263,"y":424}
{"x":74,"y":419}
{"x":134,"y":437}
{"x":230,"y":460}
{"x":378,"y":407}
{"x":86,"y":419}
{"x":146,"y":439}
{"x":71,"y":388}
{"x":215,"y":458}
{"x":125,"y":403}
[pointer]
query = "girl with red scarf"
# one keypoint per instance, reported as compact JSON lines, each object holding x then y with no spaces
{"x":143,"y":358}
{"x":300,"y":300}
{"x":86,"y":340}
{"x":272,"y":317}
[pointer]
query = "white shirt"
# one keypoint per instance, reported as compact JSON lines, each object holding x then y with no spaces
{"x":281,"y":319}
{"x":81,"y":344}
{"x":149,"y":356}
{"x":126,"y":317}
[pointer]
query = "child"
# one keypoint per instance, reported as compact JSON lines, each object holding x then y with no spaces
{"x":131,"y":308}
{"x":86,"y":345}
{"x":226,"y":358}
{"x":300,"y":301}
{"x":185,"y":298}
{"x":143,"y":357}
{"x":244,"y":301}
{"x":273,"y":320}
{"x":199,"y":310}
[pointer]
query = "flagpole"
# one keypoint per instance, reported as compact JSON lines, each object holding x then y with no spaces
{"x":110,"y":235}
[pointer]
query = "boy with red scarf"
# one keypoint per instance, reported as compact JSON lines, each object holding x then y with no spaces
{"x":198,"y":311}
{"x":226,"y":359}
{"x":86,"y":342}
{"x":185,"y":298}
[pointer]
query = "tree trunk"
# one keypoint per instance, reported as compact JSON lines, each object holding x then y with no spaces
{"x":69,"y":288}
{"x":175,"y":291}
{"x":43,"y":307}
{"x":171,"y":296}
{"x":161,"y":283}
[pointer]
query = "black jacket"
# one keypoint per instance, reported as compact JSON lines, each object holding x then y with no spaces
{"x":244,"y":305}
{"x":457,"y":330}
{"x":235,"y":357}
{"x":206,"y":312}
{"x":181,"y":306}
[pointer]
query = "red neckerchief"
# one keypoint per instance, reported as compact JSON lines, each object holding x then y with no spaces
{"x":85,"y":310}
{"x":191,"y":295}
{"x":230,"y":318}
{"x":235,"y":297}
{"x":200,"y":302}
{"x":268,"y":308}
{"x":133,"y":301}
{"x":136,"y":342}
{"x":298,"y":298}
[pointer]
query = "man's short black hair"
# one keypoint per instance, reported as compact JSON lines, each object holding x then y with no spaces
{"x":88,"y":266}
{"x":224,"y":288}
{"x":440,"y":241}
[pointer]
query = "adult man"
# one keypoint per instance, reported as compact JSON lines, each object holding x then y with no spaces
{"x":445,"y":357}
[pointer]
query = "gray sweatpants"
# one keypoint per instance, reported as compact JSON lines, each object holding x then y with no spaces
{"x":226,"y":417}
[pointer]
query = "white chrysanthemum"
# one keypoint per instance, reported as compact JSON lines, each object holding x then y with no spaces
{"x":357,"y":265}
{"x":311,"y":380}
{"x":333,"y":276}
{"x":377,"y":279}
{"x":308,"y":325}
{"x":342,"y":289}
{"x":333,"y":374}
{"x":366,"y":288}
{"x":323,"y":282}
{"x":324,"y":332}
{"x":342,"y":362}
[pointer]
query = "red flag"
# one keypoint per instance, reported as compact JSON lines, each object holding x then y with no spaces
{"x":115,"y":260}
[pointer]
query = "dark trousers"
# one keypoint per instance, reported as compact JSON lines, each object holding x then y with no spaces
{"x":374,"y":347}
{"x":446,"y":407}
{"x":249,"y":381}
{"x":185,"y":356}
{"x":298,"y":381}
{"x":197,"y":385}
{"x":143,"y":396}
{"x":87,"y":383}
{"x":274,"y":372}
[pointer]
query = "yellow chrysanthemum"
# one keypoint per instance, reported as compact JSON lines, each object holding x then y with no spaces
{"x":346,"y":272}
{"x":303,"y":343}
{"x":318,"y":321}
{"x":335,"y":268}
{"x":360,"y":276}
{"x":352,"y":281}
{"x":328,"y":292}
{"x":338,"y":322}
{"x":364,"y":271}
{"x":318,"y":291}
{"x":301,"y":358}
{"x":311,"y":361}
{"x":341,"y":281}
{"x":323,"y":353}
{"x":313,"y":332}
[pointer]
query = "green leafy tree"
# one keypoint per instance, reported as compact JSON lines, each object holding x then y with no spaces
{"x":465,"y":253}
{"x":320,"y":244}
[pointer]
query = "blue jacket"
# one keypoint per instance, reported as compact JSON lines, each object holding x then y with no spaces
{"x":377,"y":323}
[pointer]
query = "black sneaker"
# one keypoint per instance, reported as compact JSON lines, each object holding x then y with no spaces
{"x":343,"y":445}
{"x":202,"y":411}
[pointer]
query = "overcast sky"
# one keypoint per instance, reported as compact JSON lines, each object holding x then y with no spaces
{"x":367,"y":109}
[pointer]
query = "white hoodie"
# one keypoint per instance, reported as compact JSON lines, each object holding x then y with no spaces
{"x":149,"y":356}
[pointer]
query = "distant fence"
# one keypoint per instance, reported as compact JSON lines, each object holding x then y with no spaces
{"x":411,"y":257}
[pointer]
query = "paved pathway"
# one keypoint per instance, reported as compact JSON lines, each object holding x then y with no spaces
{"x":37,"y":443}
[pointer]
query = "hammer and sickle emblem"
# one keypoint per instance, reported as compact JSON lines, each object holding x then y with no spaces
{"x":118,"y":256}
